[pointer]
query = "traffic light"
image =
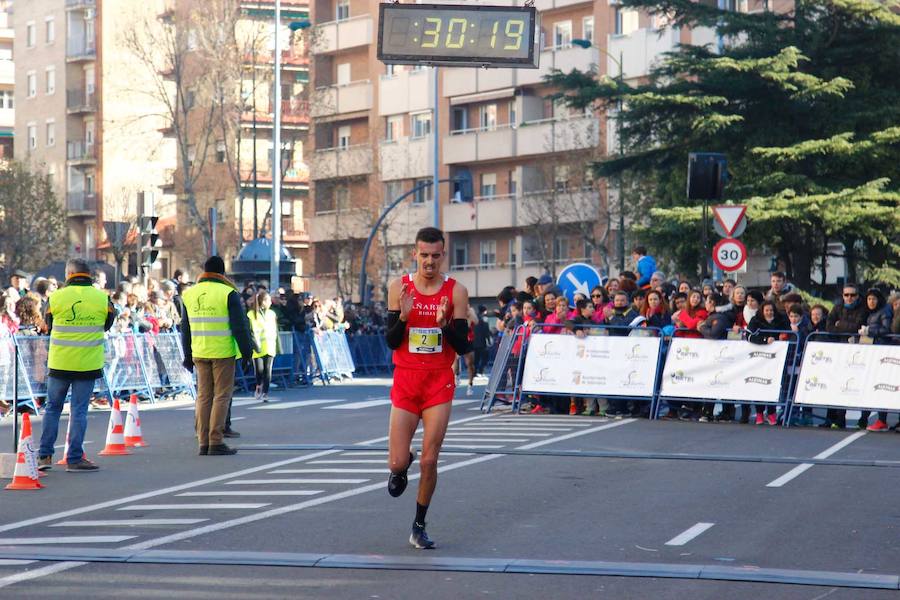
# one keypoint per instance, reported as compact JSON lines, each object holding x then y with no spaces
{"x":707,"y":175}
{"x":150,"y":243}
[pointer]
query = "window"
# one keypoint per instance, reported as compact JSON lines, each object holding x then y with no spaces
{"x":488,"y":185}
{"x":421,"y":125}
{"x":51,"y":80}
{"x":191,"y":154}
{"x":51,"y":133}
{"x":50,"y":25}
{"x":31,"y":84}
{"x":30,"y":35}
{"x":513,"y":255}
{"x":562,"y":34}
{"x":32,"y":136}
{"x":460,"y":118}
{"x":342,"y":199}
{"x":89,"y":34}
{"x":561,"y":178}
{"x":6,"y":99}
{"x":587,"y":29}
{"x":344,"y":136}
{"x":343,"y":74}
{"x":393,"y":128}
{"x":342,"y":10}
{"x":191,"y":39}
{"x":488,"y":252}
{"x":423,"y":195}
{"x":220,"y":209}
{"x":392,"y":190}
{"x":626,"y":21}
{"x":560,"y":249}
{"x":220,"y":151}
{"x":487,"y":117}
{"x":89,"y":84}
{"x":513,"y":113}
{"x":89,"y":183}
{"x":460,"y":253}
{"x":513,"y":178}
{"x":391,"y":70}
{"x":89,"y":134}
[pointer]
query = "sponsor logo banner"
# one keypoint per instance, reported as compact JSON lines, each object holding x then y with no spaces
{"x":850,"y":375}
{"x":724,"y":370}
{"x":591,"y":366}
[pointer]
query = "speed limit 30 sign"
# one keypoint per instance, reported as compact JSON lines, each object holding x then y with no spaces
{"x":729,"y":254}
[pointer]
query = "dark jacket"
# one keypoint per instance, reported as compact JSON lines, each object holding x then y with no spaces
{"x":237,"y":320}
{"x":482,"y":334}
{"x":758,"y":324}
{"x":579,"y":323}
{"x":659,"y":320}
{"x":847,"y":319}
{"x":717,"y":325}
{"x":622,"y":317}
{"x":110,"y":319}
{"x":879,"y":321}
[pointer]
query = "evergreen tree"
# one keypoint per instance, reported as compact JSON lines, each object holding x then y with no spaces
{"x":806,"y":106}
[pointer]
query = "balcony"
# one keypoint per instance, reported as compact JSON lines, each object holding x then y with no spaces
{"x":407,"y":91}
{"x":459,"y":82}
{"x":543,"y":5}
{"x":330,"y":163}
{"x":484,"y":280}
{"x":406,"y":158}
{"x":342,"y":35}
{"x":79,"y":101}
{"x":528,"y":139}
{"x":80,"y":49}
{"x":292,"y":234}
{"x":340,"y":225}
{"x":80,"y":4}
{"x":294,"y":114}
{"x":341,"y":99}
{"x":80,"y":154}
{"x":81,"y":204}
{"x":290,"y":58}
{"x":528,"y":209}
{"x":494,"y":212}
{"x":168,"y":184}
{"x":640,"y":49}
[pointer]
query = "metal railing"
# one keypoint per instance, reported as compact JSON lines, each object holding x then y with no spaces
{"x":80,"y":100}
{"x":79,"y":150}
{"x":81,"y":202}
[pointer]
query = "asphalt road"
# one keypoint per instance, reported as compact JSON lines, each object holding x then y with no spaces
{"x":526,"y":507}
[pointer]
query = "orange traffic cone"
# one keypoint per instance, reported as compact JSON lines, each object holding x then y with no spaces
{"x":115,"y":434}
{"x":65,"y":456}
{"x":25,"y":476}
{"x":133,"y":437}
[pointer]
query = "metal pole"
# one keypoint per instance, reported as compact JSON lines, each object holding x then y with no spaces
{"x":621,"y":239}
{"x":15,"y":396}
{"x":435,"y":188}
{"x":274,"y":279}
{"x":704,"y":269}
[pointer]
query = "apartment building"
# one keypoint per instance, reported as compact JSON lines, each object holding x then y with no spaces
{"x":84,"y":117}
{"x":7,"y":82}
{"x":237,"y":170}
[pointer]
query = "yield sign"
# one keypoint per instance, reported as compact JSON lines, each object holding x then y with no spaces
{"x":730,"y":216}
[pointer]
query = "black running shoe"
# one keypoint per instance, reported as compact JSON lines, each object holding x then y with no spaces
{"x":419,"y":539}
{"x":397,"y":481}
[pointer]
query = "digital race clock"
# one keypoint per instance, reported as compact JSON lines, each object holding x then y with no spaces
{"x":460,"y":35}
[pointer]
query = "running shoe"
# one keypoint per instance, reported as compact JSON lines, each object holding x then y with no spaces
{"x":469,"y":390}
{"x":537,"y":410}
{"x":878,"y":425}
{"x":772,"y":419}
{"x":397,"y":481}
{"x":419,"y":539}
{"x":760,"y":419}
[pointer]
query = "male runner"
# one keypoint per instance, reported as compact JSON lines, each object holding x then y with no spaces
{"x":427,"y":328}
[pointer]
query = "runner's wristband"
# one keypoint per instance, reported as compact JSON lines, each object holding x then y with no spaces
{"x":395,"y":329}
{"x":457,"y":334}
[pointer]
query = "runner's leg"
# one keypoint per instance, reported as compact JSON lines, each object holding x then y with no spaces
{"x":434,"y":422}
{"x":470,"y":367}
{"x":400,"y":434}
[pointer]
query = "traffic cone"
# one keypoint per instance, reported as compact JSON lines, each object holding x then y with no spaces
{"x":65,"y":457}
{"x":573,"y":408}
{"x":133,"y":437}
{"x":115,"y":433}
{"x":25,"y":476}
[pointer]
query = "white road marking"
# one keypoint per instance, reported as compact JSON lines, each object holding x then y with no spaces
{"x":238,"y":505}
{"x":66,"y":539}
{"x":41,"y":572}
{"x":294,"y":481}
{"x":570,"y":422}
{"x":297,"y":404}
{"x":128,"y":522}
{"x":358,"y":461}
{"x":323,"y":471}
{"x":358,"y":405}
{"x":255,"y":493}
{"x":419,"y":430}
{"x":473,"y":447}
{"x":365,"y":453}
{"x":14,"y":562}
{"x":576,"y":434}
{"x":498,"y":432}
{"x":452,"y":438}
{"x":802,"y":468}
{"x":238,"y":418}
{"x":85,"y":443}
{"x":486,"y":427}
{"x":683,"y":538}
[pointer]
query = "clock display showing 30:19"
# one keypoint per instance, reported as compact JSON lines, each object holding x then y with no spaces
{"x":457,"y":35}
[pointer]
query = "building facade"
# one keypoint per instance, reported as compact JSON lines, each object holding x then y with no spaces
{"x":7,"y":82}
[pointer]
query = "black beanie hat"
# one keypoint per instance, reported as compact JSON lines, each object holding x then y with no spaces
{"x":214,"y":264}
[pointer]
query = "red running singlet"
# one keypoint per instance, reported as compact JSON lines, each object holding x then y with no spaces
{"x":424,"y":346}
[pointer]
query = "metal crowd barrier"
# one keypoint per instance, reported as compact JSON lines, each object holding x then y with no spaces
{"x":370,"y":352}
{"x":503,"y":383}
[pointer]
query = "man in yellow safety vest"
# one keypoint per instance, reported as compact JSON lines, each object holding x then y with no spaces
{"x":215,"y":332}
{"x":77,"y":315}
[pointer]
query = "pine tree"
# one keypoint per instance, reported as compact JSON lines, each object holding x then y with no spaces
{"x":806,"y":106}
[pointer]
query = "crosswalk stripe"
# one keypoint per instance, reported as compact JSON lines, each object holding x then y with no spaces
{"x":297,"y":404}
{"x":66,"y":539}
{"x":515,"y":431}
{"x":358,"y":461}
{"x":357,"y":405}
{"x":495,"y":433}
{"x":193,"y":506}
{"x":472,"y":446}
{"x":457,"y":439}
{"x":323,"y":471}
{"x":365,"y":453}
{"x":128,"y":522}
{"x":255,"y":493}
{"x":294,"y":481}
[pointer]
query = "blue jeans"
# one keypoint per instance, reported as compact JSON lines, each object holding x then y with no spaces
{"x":56,"y":397}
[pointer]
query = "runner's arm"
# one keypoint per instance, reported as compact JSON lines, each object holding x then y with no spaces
{"x":457,"y":332}
{"x":396,"y":326}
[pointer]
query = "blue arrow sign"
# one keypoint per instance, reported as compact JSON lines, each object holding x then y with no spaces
{"x":577,"y":278}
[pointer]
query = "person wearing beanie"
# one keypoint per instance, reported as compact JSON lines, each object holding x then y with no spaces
{"x":214,"y":332}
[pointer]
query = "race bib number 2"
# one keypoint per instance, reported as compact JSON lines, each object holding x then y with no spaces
{"x":425,"y":340}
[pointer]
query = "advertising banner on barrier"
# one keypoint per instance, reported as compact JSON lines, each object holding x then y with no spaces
{"x":851,"y":375}
{"x":595,"y":365}
{"x":724,"y":370}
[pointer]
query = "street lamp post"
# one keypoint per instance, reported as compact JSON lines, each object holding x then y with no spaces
{"x":620,"y":239}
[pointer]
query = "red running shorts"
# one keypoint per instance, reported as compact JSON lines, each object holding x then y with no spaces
{"x":414,"y":390}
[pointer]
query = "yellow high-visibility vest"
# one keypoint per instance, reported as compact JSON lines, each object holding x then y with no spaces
{"x":207,"y":307}
{"x":265,"y":331}
{"x":76,"y":340}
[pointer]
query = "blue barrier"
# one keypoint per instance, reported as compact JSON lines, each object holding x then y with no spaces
{"x":371,"y":354}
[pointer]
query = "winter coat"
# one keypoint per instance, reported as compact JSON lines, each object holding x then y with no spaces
{"x":847,"y":319}
{"x":717,"y":325}
{"x":879,"y":321}
{"x":758,"y":324}
{"x":691,"y":323}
